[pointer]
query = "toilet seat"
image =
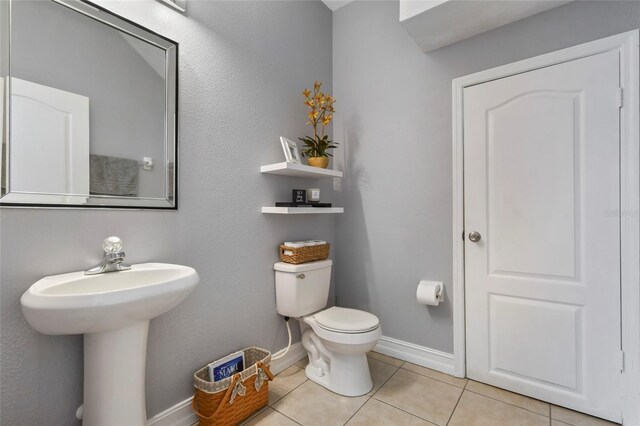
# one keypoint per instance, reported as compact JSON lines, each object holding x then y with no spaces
{"x":341,"y":336}
{"x":345,"y":320}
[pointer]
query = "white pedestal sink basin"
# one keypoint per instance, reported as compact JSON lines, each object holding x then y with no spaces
{"x":113,"y":311}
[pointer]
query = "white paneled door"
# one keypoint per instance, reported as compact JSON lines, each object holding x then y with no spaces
{"x":542,"y":234}
{"x":50,"y":140}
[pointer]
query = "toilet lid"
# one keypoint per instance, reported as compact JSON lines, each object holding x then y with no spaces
{"x":346,"y":320}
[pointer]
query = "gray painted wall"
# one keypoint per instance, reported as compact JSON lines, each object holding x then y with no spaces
{"x":126,"y":107}
{"x":394,"y":117}
{"x":242,"y":65}
{"x":242,"y":68}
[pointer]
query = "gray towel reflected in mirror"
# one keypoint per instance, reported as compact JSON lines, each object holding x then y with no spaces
{"x":113,"y":176}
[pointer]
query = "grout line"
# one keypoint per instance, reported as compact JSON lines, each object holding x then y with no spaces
{"x":248,"y":419}
{"x":512,"y":392}
{"x":360,"y":408}
{"x":385,"y":382}
{"x":405,"y":411}
{"x":298,"y":423}
{"x":282,"y":397}
{"x":433,"y":378}
{"x":296,"y":387}
{"x":589,"y":416}
{"x":257,"y":413}
{"x":369,"y":397}
{"x":385,"y":362}
{"x":391,"y":405}
{"x":388,"y":363}
{"x":455,"y":407}
{"x":280,"y":412}
{"x":513,"y":405}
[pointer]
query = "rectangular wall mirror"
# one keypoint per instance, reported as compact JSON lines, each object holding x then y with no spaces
{"x":85,"y":126}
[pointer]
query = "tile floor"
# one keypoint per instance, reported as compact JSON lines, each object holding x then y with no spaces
{"x":407,"y":394}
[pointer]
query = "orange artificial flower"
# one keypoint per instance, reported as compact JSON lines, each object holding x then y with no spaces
{"x":320,"y":109}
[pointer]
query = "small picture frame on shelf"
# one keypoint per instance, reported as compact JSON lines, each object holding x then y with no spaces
{"x":290,"y":149}
{"x":299,"y":196}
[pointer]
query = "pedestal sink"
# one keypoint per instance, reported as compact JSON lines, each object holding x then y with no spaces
{"x":112,"y":310}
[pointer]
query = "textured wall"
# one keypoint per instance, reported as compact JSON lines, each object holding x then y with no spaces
{"x":394,"y":107}
{"x":242,"y":67}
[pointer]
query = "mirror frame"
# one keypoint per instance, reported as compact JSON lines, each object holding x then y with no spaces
{"x":48,"y":200}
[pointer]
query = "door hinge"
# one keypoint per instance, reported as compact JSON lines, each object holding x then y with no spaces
{"x":621,"y":361}
{"x":620,"y":97}
{"x":462,"y":235}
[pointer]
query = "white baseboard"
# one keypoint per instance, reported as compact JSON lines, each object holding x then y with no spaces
{"x":426,"y":357}
{"x":295,"y":354}
{"x":181,"y":414}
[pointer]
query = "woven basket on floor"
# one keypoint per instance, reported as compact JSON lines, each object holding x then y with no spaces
{"x":217,"y":404}
{"x":304,"y":254}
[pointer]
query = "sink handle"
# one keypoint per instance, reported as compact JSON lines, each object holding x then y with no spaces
{"x":112,"y":245}
{"x":113,"y":257}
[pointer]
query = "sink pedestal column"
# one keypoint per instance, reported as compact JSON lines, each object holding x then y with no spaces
{"x":114,"y":372}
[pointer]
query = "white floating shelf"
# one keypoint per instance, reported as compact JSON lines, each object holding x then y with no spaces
{"x":302,"y":210}
{"x":300,"y":170}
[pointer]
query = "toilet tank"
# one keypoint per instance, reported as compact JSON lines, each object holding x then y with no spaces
{"x":302,"y":289}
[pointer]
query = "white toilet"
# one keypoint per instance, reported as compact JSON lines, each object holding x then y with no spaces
{"x":336,"y":339}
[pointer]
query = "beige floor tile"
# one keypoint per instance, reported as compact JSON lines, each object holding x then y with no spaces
{"x":269,"y":417}
{"x":285,"y":382}
{"x":455,"y":381}
{"x":375,"y":412}
{"x":576,"y":419}
{"x":478,"y":410}
{"x":380,"y":373}
{"x":303,"y":362}
{"x":422,"y":396}
{"x":509,"y":397}
{"x":310,"y":404}
{"x":385,"y":358}
{"x":555,"y":422}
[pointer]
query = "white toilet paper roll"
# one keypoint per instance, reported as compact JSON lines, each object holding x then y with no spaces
{"x":429,"y":292}
{"x":294,"y":244}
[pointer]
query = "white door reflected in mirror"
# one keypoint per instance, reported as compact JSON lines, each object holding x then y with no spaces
{"x":50,"y":133}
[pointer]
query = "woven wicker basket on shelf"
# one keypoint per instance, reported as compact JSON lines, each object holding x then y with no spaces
{"x":304,"y":254}
{"x":217,"y":404}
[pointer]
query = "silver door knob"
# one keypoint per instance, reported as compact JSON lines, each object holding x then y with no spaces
{"x":474,"y":236}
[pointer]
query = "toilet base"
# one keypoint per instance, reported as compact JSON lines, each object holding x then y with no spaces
{"x":347,"y":375}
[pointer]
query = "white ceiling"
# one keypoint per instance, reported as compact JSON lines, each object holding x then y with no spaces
{"x":336,"y":4}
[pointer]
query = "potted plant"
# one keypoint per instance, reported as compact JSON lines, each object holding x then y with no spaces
{"x":320,"y":114}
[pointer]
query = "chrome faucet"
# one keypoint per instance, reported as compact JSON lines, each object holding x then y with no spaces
{"x":113,"y":258}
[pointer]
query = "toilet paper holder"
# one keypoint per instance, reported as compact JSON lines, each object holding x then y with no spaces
{"x":430,"y":292}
